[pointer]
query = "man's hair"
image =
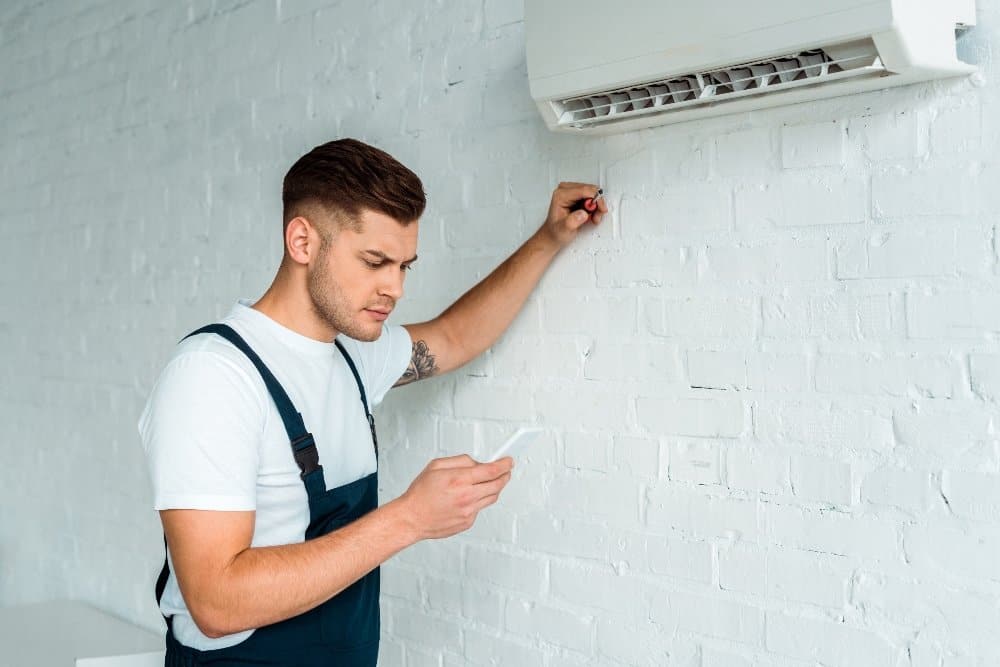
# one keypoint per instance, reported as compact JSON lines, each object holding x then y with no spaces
{"x":347,"y":176}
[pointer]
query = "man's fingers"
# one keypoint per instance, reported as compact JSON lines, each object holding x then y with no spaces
{"x":492,"y":487}
{"x":460,"y":461}
{"x":485,"y":501}
{"x":568,"y":194}
{"x":486,"y":472}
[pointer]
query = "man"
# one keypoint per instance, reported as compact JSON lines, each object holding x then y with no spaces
{"x":259,"y":436}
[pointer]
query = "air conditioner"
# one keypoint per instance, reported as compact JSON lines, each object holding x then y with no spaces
{"x":602,"y":67}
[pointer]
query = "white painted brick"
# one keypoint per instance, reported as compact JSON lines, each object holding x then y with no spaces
{"x":913,"y":375}
{"x":804,"y":576}
{"x":539,"y":356}
{"x":733,"y":319}
{"x":835,"y":533}
{"x":944,"y":433}
{"x":444,"y":595}
{"x":695,"y":208}
{"x":630,"y":266}
{"x":747,"y":153}
{"x":586,"y":451}
{"x":609,"y":359}
{"x":697,"y":417}
{"x":482,"y":604}
{"x":550,"y":625}
{"x":821,"y":479}
{"x":476,"y":395}
{"x":679,"y":558}
{"x":610,"y":316}
{"x":957,"y":130}
{"x":824,"y":424}
{"x":891,"y":136}
{"x":487,"y":649}
{"x":590,"y":406}
{"x":639,"y":457}
{"x":828,"y":642}
{"x":508,"y":571}
{"x":794,"y":200}
{"x":601,"y":497}
{"x":710,"y":616}
{"x":411,"y":624}
{"x":598,"y":588}
{"x":972,"y":495}
{"x":742,"y":568}
{"x":540,"y":532}
{"x":696,"y":513}
{"x":698,"y":462}
{"x":910,"y":490}
{"x":812,"y":145}
{"x":984,"y":370}
{"x":503,"y":12}
{"x":836,"y":317}
{"x":777,"y":262}
{"x":757,"y":469}
{"x":714,"y":369}
{"x":778,"y":372}
{"x":936,"y":191}
{"x":947,"y":314}
{"x":638,"y":642}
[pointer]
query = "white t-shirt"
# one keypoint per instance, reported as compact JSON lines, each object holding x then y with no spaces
{"x":214,"y":439}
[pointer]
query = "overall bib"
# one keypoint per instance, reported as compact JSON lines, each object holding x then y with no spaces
{"x":344,"y":630}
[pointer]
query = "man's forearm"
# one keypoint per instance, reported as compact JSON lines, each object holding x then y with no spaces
{"x":264,"y":585}
{"x":478,"y":318}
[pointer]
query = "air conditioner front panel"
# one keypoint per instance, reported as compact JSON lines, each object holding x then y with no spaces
{"x":680,"y":38}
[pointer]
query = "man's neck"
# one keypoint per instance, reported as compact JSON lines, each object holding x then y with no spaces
{"x":290,"y":306}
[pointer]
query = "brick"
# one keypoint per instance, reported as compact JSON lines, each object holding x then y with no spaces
{"x":822,"y":479}
{"x":812,"y":145}
{"x":551,"y":625}
{"x":758,"y":469}
{"x":961,"y":315}
{"x":711,"y":616}
{"x":732,"y":319}
{"x":745,"y":154}
{"x":698,"y":514}
{"x":634,"y":642}
{"x":804,"y":576}
{"x":716,"y":369}
{"x":934,"y":191}
{"x":802,"y":261}
{"x":540,"y":532}
{"x":638,"y":457}
{"x":619,"y":360}
{"x":872,"y":538}
{"x":890,"y":136}
{"x":695,"y":461}
{"x":913,"y":375}
{"x":697,"y":417}
{"x":909,"y":490}
{"x":515,"y":573}
{"x":972,"y":495}
{"x":586,"y":451}
{"x":602,"y":497}
{"x":641,"y":266}
{"x":835,"y":317}
{"x":778,"y":372}
{"x":679,"y":558}
{"x":598,"y":588}
{"x":743,"y":568}
{"x":984,"y":370}
{"x":824,"y":424}
{"x":481,"y":648}
{"x":610,"y":316}
{"x":828,"y":642}
{"x":794,"y":200}
{"x":943,"y":434}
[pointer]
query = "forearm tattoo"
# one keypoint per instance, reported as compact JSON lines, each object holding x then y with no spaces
{"x":421,"y":366}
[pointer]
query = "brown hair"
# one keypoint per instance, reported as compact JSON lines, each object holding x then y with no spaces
{"x":347,"y":176}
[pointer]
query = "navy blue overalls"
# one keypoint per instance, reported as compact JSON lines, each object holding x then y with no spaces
{"x":344,"y":631}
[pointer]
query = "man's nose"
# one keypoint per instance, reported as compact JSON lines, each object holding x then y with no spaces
{"x":393,"y":287}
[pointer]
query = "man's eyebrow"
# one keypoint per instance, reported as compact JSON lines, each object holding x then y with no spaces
{"x":383,"y":256}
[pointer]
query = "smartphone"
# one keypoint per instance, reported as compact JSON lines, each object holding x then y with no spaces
{"x":517,"y":444}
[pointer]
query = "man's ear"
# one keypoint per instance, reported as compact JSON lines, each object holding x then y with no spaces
{"x":301,"y":240}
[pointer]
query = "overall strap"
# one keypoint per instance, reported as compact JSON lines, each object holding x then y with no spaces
{"x":302,"y":443}
{"x":361,"y":390}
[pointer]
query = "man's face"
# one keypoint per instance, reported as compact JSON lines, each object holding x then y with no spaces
{"x":358,"y":278}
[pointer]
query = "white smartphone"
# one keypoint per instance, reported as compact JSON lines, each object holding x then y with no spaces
{"x":517,"y":444}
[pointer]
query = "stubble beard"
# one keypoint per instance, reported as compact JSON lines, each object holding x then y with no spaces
{"x":330,"y":304}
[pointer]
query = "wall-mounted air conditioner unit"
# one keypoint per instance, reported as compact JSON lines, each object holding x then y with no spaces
{"x":603,"y":67}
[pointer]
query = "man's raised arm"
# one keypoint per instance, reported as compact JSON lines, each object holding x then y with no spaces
{"x":474,"y":322}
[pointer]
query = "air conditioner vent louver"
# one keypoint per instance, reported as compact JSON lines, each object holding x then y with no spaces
{"x":717,"y":86}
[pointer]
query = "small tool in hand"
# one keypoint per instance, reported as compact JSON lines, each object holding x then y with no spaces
{"x":589,"y":204}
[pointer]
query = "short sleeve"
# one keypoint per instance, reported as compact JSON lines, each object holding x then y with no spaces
{"x":381,"y":362}
{"x":201,"y":429}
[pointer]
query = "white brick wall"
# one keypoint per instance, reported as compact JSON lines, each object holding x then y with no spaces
{"x":769,"y":382}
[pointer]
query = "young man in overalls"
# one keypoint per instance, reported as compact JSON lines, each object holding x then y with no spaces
{"x":259,"y":434}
